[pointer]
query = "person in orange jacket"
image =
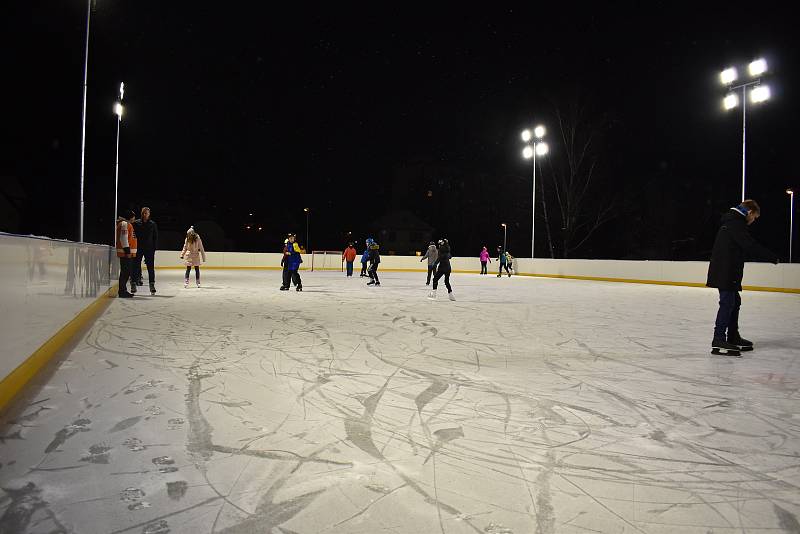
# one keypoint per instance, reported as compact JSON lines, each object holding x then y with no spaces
{"x":349,"y":255}
{"x":126,"y":250}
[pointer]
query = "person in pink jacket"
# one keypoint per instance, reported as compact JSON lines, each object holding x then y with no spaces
{"x":484,"y":259}
{"x":192,"y":254}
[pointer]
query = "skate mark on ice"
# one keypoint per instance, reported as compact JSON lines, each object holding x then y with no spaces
{"x":79,"y":425}
{"x":125,"y":424}
{"x":788,"y":521}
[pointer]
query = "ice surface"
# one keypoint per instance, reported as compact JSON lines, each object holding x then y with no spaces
{"x":527,"y":405}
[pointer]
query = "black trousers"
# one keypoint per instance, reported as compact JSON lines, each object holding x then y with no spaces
{"x":503,"y":266}
{"x":149,"y":257}
{"x":196,"y":272}
{"x":290,"y":276}
{"x":728,"y":314}
{"x":373,"y":272}
{"x":431,"y":271}
{"x":483,"y":267}
{"x":446,"y":275}
{"x":124,"y":274}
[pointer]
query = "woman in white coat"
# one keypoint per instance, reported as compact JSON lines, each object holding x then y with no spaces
{"x":193,"y":255}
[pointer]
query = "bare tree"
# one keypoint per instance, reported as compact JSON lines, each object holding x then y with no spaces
{"x":573,"y":166}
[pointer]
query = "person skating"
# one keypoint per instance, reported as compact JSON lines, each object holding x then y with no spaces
{"x":502,"y":260}
{"x":193,"y":255}
{"x":509,"y":263}
{"x":443,"y":268}
{"x":431,"y":254}
{"x":291,"y":263}
{"x":725,"y":270}
{"x":349,"y":256}
{"x":374,"y":262}
{"x":147,"y":234}
{"x":126,"y":251}
{"x":484,"y":259}
{"x":364,"y":261}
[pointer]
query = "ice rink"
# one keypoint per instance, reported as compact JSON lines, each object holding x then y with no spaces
{"x":528,"y":405}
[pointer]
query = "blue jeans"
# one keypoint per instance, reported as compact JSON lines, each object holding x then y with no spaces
{"x":728,"y":315}
{"x":349,"y":268}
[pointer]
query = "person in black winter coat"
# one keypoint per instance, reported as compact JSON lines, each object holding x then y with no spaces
{"x":442,"y":268}
{"x":374,"y":261}
{"x":731,"y":246}
{"x":147,"y":233}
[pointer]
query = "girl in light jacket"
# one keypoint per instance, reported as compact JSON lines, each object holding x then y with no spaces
{"x":192,"y":254}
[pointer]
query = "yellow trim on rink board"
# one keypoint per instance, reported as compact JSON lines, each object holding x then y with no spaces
{"x":16,"y":381}
{"x":565,"y":276}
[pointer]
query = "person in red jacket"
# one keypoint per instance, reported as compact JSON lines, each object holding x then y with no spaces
{"x":349,"y":255}
{"x":126,"y":249}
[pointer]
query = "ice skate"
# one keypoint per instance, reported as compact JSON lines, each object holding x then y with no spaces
{"x":432,"y":294}
{"x":186,"y":283}
{"x":198,"y":283}
{"x":124,"y":295}
{"x":450,"y":296}
{"x":722,"y":347}
{"x":152,"y":289}
{"x":743,"y":344}
{"x":284,"y":288}
{"x":133,"y":288}
{"x":371,"y":283}
{"x":299,"y":288}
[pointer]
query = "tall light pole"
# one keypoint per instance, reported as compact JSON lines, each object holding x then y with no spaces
{"x":758,"y":93}
{"x":539,"y":148}
{"x":118,"y":110}
{"x":83,"y":113}
{"x":308,"y":224}
{"x":504,"y":235}
{"x":790,"y":192}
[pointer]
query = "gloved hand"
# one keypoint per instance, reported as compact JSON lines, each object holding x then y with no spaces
{"x":127,"y":250}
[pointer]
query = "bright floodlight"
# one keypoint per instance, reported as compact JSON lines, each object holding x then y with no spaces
{"x":790,"y":191}
{"x":730,"y":101}
{"x":121,"y":90}
{"x":728,"y":76}
{"x":541,"y":149}
{"x":527,"y":152}
{"x":538,"y":132}
{"x":526,"y":135}
{"x":757,"y":67}
{"x":759,"y":94}
{"x":118,"y":110}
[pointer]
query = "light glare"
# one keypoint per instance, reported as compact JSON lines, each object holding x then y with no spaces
{"x":542,"y":149}
{"x":526,"y":135}
{"x":730,"y":101}
{"x":760,"y":94}
{"x":118,"y":110}
{"x":527,"y":152}
{"x":758,"y":67}
{"x":728,"y":76}
{"x":538,"y":132}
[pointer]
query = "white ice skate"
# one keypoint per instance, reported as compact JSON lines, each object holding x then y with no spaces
{"x":198,"y":283}
{"x":450,"y":296}
{"x":432,"y":294}
{"x":186,"y":283}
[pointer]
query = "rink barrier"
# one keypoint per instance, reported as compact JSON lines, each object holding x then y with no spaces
{"x":15,"y":382}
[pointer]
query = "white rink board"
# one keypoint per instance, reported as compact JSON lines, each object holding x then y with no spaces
{"x":527,"y":405}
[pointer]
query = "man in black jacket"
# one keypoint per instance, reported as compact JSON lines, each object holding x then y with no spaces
{"x":147,"y":233}
{"x":725,"y":272}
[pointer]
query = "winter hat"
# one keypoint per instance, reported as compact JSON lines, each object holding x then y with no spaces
{"x":127,"y":214}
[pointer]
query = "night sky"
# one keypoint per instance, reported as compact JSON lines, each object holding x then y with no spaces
{"x":233,"y":109}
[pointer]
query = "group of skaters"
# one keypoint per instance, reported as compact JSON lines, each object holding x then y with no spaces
{"x":137,"y":241}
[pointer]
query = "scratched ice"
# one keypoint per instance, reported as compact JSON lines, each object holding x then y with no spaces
{"x":525,"y":406}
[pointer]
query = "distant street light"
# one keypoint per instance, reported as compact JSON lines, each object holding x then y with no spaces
{"x":539,"y":148}
{"x":504,"y":235}
{"x":759,"y":93}
{"x":308,"y":224}
{"x":118,"y":110}
{"x":790,"y":192}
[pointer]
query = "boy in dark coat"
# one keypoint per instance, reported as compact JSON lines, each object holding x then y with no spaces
{"x":732,"y":244}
